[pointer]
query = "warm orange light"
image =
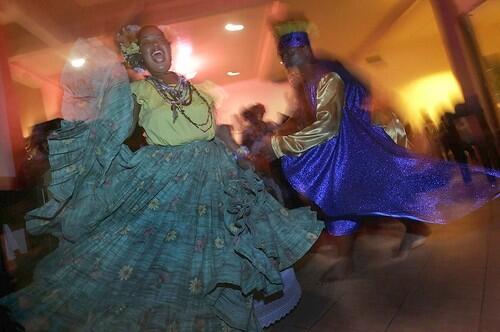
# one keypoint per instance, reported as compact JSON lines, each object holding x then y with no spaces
{"x":432,"y":94}
{"x":232,"y":73}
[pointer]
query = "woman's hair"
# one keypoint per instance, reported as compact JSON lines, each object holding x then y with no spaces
{"x":127,"y":40}
{"x":147,"y":27}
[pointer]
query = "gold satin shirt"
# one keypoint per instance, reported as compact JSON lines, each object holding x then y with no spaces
{"x":330,"y":100}
{"x":396,"y":130}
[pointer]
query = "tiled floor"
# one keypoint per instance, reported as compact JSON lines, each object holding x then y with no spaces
{"x":451,"y":284}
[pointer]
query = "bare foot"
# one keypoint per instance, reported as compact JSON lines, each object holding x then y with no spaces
{"x":410,"y":241}
{"x":340,"y":270}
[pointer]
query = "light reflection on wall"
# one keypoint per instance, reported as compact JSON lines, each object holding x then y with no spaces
{"x":30,"y":107}
{"x":36,"y":110}
{"x":433,"y":94}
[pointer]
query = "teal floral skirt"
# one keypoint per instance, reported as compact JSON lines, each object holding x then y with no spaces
{"x":170,"y":239}
{"x":160,"y":239}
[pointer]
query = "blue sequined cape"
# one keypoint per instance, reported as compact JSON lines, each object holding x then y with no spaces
{"x":362,"y":172}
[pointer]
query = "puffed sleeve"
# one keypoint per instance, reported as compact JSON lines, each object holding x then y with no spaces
{"x":138,"y":90}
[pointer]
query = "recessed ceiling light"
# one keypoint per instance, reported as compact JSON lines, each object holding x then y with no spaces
{"x":232,"y":73}
{"x":234,"y":27}
{"x":78,"y":62}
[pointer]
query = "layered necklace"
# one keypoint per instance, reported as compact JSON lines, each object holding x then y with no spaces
{"x":178,"y":97}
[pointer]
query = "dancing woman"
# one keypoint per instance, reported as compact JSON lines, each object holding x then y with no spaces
{"x":172,"y":237}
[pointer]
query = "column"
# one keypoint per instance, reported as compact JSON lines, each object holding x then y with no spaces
{"x":11,"y":139}
{"x":465,"y":67}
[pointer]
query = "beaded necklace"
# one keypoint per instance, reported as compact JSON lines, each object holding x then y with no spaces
{"x":181,"y":95}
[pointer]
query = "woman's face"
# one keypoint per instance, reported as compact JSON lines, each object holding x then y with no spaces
{"x":155,"y":50}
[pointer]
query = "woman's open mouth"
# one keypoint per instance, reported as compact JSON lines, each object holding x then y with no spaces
{"x":158,"y":56}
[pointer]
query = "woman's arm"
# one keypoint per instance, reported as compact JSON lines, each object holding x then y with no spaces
{"x":135,"y":137}
{"x":224,"y":133}
{"x":135,"y":117}
{"x":241,"y":154}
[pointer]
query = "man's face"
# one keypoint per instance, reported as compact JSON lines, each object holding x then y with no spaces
{"x":295,"y":78}
{"x":254,"y":117}
{"x":296,"y":57}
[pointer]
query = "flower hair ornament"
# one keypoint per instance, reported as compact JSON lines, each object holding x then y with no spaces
{"x":128,"y":42}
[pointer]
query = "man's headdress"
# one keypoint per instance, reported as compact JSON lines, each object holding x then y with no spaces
{"x":293,"y":33}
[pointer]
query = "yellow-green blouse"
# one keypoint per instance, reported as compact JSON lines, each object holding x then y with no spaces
{"x":156,"y":117}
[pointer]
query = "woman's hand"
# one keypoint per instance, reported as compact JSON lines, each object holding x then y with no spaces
{"x":243,"y":157}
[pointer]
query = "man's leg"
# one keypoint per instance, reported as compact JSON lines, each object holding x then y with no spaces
{"x":415,"y":236}
{"x":342,"y":233}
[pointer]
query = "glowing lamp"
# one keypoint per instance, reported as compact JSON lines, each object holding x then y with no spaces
{"x":78,"y":62}
{"x":232,"y":73}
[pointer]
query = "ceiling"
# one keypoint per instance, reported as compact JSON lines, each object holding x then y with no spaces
{"x":40,"y":36}
{"x":390,"y":42}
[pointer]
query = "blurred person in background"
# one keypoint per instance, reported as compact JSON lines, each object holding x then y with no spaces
{"x":36,"y":166}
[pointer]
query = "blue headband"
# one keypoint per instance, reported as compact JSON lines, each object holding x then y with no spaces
{"x":294,"y":39}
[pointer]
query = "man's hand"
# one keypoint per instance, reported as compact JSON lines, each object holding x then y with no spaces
{"x":244,"y":163}
{"x":264,"y":148}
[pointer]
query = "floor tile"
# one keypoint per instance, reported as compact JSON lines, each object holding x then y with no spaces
{"x":357,"y":313}
{"x":492,"y":287}
{"x":428,"y":320}
{"x":310,"y":309}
